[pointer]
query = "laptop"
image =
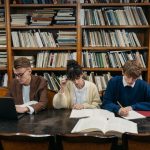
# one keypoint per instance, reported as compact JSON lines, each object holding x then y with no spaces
{"x":8,"y":109}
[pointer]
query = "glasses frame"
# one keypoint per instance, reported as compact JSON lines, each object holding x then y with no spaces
{"x":20,"y":75}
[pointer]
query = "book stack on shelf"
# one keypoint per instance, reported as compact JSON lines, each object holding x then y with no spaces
{"x":65,"y":17}
{"x":19,"y":19}
{"x":42,"y":17}
{"x":3,"y":59}
{"x":2,"y":38}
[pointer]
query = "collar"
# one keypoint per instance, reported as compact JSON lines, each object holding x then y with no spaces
{"x":125,"y":83}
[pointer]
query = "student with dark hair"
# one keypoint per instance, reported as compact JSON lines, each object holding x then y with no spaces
{"x":127,"y":92}
{"x":75,"y":92}
{"x":27,"y":87}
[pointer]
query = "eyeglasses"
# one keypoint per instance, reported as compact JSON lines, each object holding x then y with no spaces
{"x":19,"y":75}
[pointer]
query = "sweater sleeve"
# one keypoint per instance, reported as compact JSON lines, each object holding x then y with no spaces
{"x":60,"y":101}
{"x":109,"y":98}
{"x":145,"y":103}
{"x":94,"y":98}
{"x":42,"y":96}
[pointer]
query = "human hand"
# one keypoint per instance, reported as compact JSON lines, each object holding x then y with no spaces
{"x":63,"y":82}
{"x":129,"y":108}
{"x":21,"y":109}
{"x":78,"y":106}
{"x":124,"y":111}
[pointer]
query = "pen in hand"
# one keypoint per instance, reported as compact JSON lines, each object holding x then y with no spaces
{"x":119,"y":104}
{"x":122,"y":111}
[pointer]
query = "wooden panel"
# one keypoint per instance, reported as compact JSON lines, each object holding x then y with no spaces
{"x":3,"y":91}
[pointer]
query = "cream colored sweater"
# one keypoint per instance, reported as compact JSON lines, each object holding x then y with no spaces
{"x":64,"y":100}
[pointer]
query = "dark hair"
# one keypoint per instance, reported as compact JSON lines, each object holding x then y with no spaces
{"x":74,"y":70}
{"x":132,"y":69}
{"x":22,"y":62}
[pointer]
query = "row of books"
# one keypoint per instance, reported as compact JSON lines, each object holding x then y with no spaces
{"x":2,"y":16}
{"x":32,"y":38}
{"x":101,"y":81}
{"x":112,"y":59}
{"x":3,"y":59}
{"x":36,"y":38}
{"x":53,"y":60}
{"x":2,"y":38}
{"x":45,"y":17}
{"x":114,"y":1}
{"x":113,"y":16}
{"x":114,"y":38}
{"x":3,"y":79}
{"x":43,"y":1}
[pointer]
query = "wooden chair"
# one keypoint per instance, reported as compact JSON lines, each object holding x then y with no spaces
{"x":26,"y":142}
{"x":136,"y":141}
{"x":86,"y":142}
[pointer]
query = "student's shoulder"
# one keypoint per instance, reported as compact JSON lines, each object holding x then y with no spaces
{"x":116,"y":79}
{"x":38,"y":79}
{"x":142,"y":82}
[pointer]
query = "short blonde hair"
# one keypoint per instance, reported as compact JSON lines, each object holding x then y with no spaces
{"x":132,"y":69}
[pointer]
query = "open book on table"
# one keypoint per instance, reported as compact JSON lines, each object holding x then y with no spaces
{"x":105,"y":125}
{"x":91,"y":113}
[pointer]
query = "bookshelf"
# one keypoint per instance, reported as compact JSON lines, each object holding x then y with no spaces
{"x":105,"y":21}
{"x":80,"y":29}
{"x":3,"y":45}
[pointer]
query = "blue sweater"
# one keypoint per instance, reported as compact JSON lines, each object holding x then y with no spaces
{"x":137,"y":97}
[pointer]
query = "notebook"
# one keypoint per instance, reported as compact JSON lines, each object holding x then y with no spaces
{"x":8,"y":110}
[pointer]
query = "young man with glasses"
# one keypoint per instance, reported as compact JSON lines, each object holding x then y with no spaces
{"x":27,"y":87}
{"x":75,"y":92}
{"x":127,"y":92}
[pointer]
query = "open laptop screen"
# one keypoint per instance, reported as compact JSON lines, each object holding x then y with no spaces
{"x":7,"y":108}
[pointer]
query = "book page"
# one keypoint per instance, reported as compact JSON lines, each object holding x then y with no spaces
{"x":90,"y":124}
{"x":134,"y":115}
{"x":104,"y":125}
{"x":29,"y":103}
{"x":80,"y":113}
{"x":91,"y":113}
{"x":121,"y":125}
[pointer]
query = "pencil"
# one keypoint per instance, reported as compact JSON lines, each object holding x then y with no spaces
{"x":119,"y":104}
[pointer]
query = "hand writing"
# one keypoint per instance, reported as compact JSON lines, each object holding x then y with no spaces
{"x":124,"y":111}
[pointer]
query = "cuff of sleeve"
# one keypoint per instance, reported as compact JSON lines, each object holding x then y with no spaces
{"x":31,"y":110}
{"x":117,"y":108}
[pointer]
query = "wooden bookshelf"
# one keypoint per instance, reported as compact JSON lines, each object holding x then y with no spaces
{"x":143,"y":33}
{"x":142,"y":30}
{"x":3,"y":49}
